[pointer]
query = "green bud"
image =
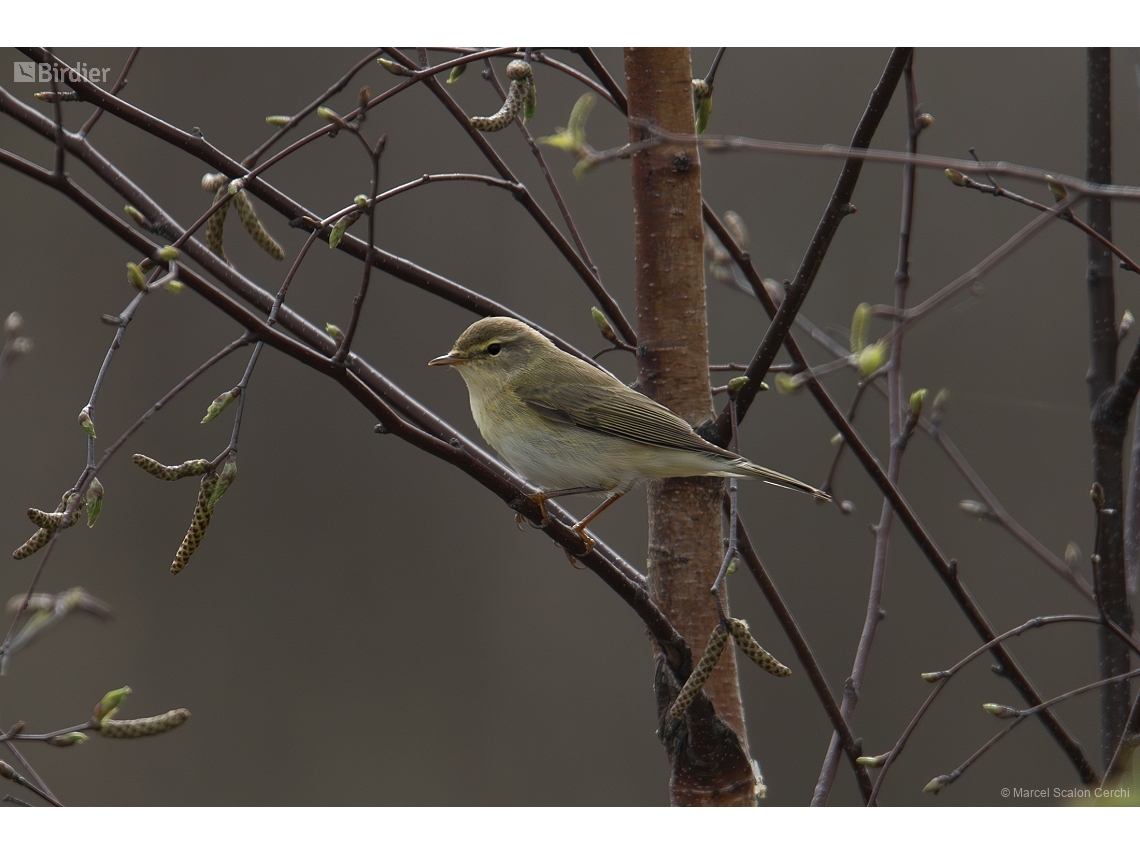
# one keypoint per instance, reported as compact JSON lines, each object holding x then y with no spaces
{"x":340,"y":227}
{"x":331,"y":117}
{"x":733,"y":565}
{"x":1059,"y":192}
{"x":736,"y":384}
{"x":871,"y":358}
{"x":136,"y":276}
{"x":278,"y":121}
{"x":394,"y":68}
{"x":786,"y":384}
{"x":604,"y":326}
{"x":174,"y":286}
{"x":457,"y":72}
{"x":225,"y":478}
{"x":168,"y":253}
{"x":936,"y":784}
{"x":361,"y":200}
{"x":923,"y":121}
{"x":334,"y":331}
{"x":956,"y":177}
{"x":111,"y":702}
{"x":933,"y":676}
{"x":1126,"y":322}
{"x":6,"y":771}
{"x":136,"y":215}
{"x":94,"y":501}
{"x":573,"y":137}
{"x":530,"y":102}
{"x":86,"y":423}
{"x":65,"y":740}
{"x":859,"y":323}
{"x":1001,"y":711}
{"x":704,"y":110}
{"x":876,"y":762}
{"x":219,"y":404}
{"x":837,"y":439}
{"x":917,"y":399}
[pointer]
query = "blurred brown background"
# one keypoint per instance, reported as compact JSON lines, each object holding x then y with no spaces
{"x":366,"y":625}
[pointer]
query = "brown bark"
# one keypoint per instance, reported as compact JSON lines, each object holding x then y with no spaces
{"x":685,"y":537}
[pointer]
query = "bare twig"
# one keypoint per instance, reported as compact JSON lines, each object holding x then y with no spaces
{"x":946,"y":569}
{"x":115,"y":90}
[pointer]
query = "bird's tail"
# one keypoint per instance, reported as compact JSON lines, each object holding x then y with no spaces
{"x":781,"y":480}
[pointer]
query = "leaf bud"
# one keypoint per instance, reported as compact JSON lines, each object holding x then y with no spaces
{"x":86,"y":423}
{"x":1059,"y":192}
{"x":219,"y":404}
{"x":936,"y":784}
{"x":917,"y":399}
{"x":859,"y":322}
{"x":111,"y":702}
{"x":871,"y":358}
{"x":65,"y":740}
{"x":94,"y":501}
{"x":956,"y":177}
{"x":136,"y":276}
{"x":1001,"y":711}
{"x":604,"y":326}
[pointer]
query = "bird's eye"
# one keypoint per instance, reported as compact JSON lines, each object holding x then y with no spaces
{"x":494,"y":348}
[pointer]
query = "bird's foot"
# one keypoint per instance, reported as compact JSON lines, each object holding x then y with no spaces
{"x":580,"y":530}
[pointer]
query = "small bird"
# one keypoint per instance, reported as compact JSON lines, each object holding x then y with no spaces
{"x":570,"y":427}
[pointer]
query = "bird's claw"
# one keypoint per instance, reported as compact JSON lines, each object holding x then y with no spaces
{"x":580,"y":530}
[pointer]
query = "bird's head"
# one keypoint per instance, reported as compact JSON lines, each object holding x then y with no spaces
{"x":494,"y":350}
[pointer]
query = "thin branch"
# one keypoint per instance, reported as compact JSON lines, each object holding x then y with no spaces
{"x":115,"y":90}
{"x":804,"y":654}
{"x":874,"y":611}
{"x":838,"y":207}
{"x":993,"y":189}
{"x":946,"y":569}
{"x":602,"y":73}
{"x":943,"y":677}
{"x":551,"y":183}
{"x":44,"y":556}
{"x":397,"y":412}
{"x":398,"y":267}
{"x":608,"y":304}
{"x":1021,"y":715}
{"x":711,"y":76}
{"x":253,"y":157}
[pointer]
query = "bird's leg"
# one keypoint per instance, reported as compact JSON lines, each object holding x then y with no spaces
{"x":579,"y":528}
{"x":540,"y":498}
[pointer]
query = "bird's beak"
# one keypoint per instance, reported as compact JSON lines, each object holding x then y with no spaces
{"x":448,"y":359}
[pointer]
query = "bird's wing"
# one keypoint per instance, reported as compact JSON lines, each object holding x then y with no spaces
{"x":618,"y":411}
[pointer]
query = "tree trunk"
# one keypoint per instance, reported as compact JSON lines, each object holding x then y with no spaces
{"x":1108,"y":432}
{"x":685,"y":538}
